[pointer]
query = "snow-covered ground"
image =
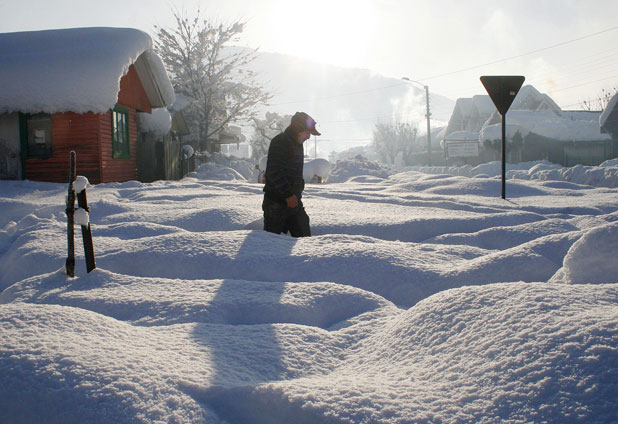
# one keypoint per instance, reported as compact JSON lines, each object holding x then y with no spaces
{"x":422,"y":297}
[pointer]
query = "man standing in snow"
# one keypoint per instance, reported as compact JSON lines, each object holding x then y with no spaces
{"x":282,"y":206}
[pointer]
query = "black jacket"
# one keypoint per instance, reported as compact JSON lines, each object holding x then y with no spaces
{"x":284,"y":168}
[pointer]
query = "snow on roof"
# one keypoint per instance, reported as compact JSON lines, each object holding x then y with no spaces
{"x":77,"y":69}
{"x":182,"y":101}
{"x":464,"y":105}
{"x":569,"y":126}
{"x":159,"y":122}
{"x":484,"y":104}
{"x":613,"y":104}
{"x":462,"y":136}
{"x":529,"y":98}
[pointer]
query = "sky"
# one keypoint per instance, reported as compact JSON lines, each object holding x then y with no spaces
{"x":421,"y":297}
{"x":567,"y":49}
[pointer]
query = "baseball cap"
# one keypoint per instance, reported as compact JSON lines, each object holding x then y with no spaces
{"x":305,"y":123}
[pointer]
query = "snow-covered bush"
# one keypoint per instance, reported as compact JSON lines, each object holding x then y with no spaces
{"x":346,"y":169}
{"x":316,"y":171}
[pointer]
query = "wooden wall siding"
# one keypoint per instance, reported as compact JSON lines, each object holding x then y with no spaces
{"x":132,"y":92}
{"x":120,"y":169}
{"x":90,"y":136}
{"x":70,"y":131}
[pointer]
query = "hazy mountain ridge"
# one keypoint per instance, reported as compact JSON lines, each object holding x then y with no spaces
{"x":346,"y":102}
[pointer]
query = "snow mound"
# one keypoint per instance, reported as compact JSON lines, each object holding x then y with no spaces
{"x":422,"y":297}
{"x":245,"y":167}
{"x":604,"y":175}
{"x":213,"y":171}
{"x":91,"y":368}
{"x":592,"y":258}
{"x":355,"y":167}
{"x":161,"y":301}
{"x":316,"y":168}
{"x":467,"y":355}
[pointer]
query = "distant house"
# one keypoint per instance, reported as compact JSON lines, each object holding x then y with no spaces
{"x":609,"y":118}
{"x":537,"y":129}
{"x":568,"y":138}
{"x":470,"y":114}
{"x":460,"y":139}
{"x":76,"y":89}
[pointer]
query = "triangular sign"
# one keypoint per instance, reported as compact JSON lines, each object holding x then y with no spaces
{"x":502,"y":90}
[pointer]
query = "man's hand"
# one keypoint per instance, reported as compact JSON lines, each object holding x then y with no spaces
{"x":292,"y":201}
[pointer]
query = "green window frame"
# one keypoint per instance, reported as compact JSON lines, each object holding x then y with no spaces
{"x":120,"y":133}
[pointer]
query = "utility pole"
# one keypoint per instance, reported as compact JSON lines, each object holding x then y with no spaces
{"x":427,"y":115}
{"x":315,"y":146}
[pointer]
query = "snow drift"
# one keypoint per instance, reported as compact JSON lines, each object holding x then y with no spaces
{"x":421,"y":297}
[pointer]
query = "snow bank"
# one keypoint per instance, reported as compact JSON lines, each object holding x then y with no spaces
{"x":604,"y":175}
{"x":420,"y":297}
{"x":592,"y":258}
{"x":499,"y":354}
{"x":343,"y":170}
{"x":316,"y":168}
{"x":213,"y":171}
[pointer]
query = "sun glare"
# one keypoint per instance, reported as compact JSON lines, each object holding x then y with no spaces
{"x":339,"y":32}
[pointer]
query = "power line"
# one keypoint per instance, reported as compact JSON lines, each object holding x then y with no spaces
{"x":448,"y":73}
{"x":585,"y":83}
{"x":580,"y":65}
{"x":520,"y":55}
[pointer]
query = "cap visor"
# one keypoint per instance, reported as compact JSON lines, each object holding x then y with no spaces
{"x":314,"y":132}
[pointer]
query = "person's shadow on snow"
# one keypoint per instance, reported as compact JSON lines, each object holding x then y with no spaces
{"x":243,"y":344}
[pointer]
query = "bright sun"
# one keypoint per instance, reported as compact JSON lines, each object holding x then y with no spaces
{"x":331,"y":31}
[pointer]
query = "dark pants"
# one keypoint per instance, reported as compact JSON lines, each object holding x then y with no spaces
{"x":278,"y":218}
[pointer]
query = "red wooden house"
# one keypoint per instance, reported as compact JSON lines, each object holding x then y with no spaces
{"x":76,"y":89}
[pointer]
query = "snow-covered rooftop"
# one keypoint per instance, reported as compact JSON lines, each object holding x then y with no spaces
{"x":77,"y":69}
{"x":159,"y":122}
{"x":609,"y":109}
{"x":462,"y":136}
{"x":568,"y":126}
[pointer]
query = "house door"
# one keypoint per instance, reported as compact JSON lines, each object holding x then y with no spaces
{"x":10,"y":147}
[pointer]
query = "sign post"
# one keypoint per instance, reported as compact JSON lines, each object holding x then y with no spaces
{"x":502,"y":91}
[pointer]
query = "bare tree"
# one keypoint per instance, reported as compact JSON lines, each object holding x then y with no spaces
{"x":204,"y":66}
{"x":265,"y":130}
{"x":600,"y":101}
{"x":394,"y":142}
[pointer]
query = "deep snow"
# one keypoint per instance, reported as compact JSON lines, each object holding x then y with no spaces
{"x":422,"y":297}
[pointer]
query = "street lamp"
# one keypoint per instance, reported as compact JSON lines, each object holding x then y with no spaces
{"x":427,"y":115}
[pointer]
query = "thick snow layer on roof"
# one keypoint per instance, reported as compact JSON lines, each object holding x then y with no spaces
{"x":613,"y":104}
{"x":159,"y":122}
{"x":462,"y":136}
{"x":76,"y":69}
{"x":484,"y":104}
{"x":568,"y":126}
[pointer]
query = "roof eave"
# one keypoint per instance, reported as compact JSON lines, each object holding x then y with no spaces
{"x":151,"y":85}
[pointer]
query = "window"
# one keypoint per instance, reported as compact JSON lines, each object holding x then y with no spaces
{"x":120,"y":133}
{"x":39,"y":130}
